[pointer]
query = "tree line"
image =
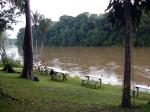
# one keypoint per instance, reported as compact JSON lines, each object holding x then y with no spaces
{"x":84,"y":30}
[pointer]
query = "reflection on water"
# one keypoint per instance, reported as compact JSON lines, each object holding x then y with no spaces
{"x":104,"y":61}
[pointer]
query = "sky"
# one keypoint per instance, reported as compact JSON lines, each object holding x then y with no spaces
{"x":55,"y":8}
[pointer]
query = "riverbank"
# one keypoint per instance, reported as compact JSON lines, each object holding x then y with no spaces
{"x":19,"y":95}
{"x":106,"y":61}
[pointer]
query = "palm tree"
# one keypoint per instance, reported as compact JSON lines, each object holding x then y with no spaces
{"x":35,"y":20}
{"x":44,"y":25}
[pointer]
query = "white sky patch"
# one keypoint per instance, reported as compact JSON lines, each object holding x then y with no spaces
{"x":55,"y":8}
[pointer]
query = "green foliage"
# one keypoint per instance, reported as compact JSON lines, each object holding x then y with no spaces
{"x":9,"y":12}
{"x":115,"y":15}
{"x":12,"y":62}
{"x":116,"y":12}
{"x":85,"y":30}
{"x":20,"y":4}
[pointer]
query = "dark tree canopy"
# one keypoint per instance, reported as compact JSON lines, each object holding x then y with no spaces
{"x":8,"y":15}
{"x":116,"y":15}
{"x":9,"y":12}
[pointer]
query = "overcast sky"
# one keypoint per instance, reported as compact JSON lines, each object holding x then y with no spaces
{"x":55,"y":8}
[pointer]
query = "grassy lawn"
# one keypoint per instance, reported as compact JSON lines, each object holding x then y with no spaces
{"x":19,"y":95}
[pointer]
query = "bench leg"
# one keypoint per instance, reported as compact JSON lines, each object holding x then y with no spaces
{"x":100,"y":82}
{"x":137,"y":92}
{"x":133,"y":92}
{"x":82,"y":82}
{"x":52,"y":77}
{"x":64,"y":76}
{"x":95,"y":85}
{"x":60,"y":78}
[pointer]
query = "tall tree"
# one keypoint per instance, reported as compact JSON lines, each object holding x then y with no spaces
{"x":4,"y":58}
{"x":127,"y":14}
{"x":126,"y":101}
{"x":27,"y":44}
{"x":120,"y":15}
{"x":36,"y":18}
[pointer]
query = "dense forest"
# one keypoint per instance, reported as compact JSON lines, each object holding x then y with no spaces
{"x":84,"y":30}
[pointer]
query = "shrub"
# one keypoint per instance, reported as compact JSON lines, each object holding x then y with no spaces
{"x":11,"y":62}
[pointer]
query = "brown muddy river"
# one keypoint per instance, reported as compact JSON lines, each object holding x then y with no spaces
{"x":104,"y":61}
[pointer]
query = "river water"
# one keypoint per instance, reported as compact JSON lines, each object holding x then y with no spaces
{"x":104,"y":61}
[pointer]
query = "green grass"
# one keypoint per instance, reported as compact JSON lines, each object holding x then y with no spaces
{"x":68,"y":96}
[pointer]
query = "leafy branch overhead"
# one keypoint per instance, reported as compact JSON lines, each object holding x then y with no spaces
{"x":9,"y":12}
{"x":20,"y":4}
{"x":115,"y":12}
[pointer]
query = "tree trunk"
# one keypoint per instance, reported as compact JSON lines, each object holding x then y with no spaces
{"x":27,"y":45}
{"x":8,"y":68}
{"x":3,"y":52}
{"x":126,"y":101}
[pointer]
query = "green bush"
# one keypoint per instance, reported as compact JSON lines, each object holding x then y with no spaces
{"x":11,"y":62}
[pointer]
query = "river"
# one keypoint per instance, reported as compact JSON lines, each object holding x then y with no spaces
{"x":104,"y":61}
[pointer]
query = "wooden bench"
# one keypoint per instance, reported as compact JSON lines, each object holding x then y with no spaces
{"x":83,"y":79}
{"x":91,"y":79}
{"x":140,"y":89}
{"x":56,"y":72}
